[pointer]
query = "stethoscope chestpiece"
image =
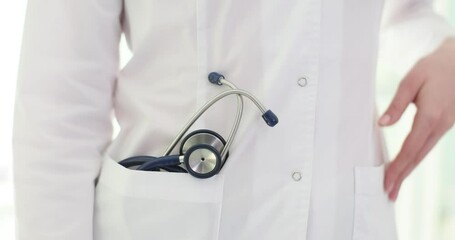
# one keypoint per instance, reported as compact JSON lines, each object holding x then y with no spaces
{"x":202,"y":161}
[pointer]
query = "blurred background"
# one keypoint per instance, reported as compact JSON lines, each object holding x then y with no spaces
{"x":425,"y":208}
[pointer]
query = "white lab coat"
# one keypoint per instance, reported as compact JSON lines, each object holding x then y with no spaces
{"x":69,"y":83}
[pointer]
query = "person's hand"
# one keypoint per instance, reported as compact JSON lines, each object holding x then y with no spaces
{"x":430,"y":85}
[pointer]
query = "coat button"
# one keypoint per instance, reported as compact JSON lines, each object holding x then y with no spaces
{"x":302,"y":82}
{"x":296,"y":176}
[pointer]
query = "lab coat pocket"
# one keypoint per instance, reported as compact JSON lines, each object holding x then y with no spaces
{"x":137,"y":205}
{"x":373,"y":213}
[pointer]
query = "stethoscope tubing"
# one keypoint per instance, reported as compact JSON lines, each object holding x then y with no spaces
{"x":206,"y":106}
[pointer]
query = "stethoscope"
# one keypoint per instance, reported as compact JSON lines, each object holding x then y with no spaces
{"x":202,"y":152}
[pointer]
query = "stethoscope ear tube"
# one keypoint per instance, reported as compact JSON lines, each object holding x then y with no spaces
{"x":269,"y":117}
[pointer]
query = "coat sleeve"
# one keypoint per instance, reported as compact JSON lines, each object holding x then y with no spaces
{"x":63,"y":112}
{"x":410,"y":30}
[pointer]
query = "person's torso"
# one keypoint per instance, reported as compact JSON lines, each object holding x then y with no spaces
{"x":311,"y":62}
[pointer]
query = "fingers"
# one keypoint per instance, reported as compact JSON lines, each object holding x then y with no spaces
{"x":406,"y":93}
{"x":416,"y":139}
{"x":432,"y":140}
{"x":421,"y":131}
{"x":428,"y":128}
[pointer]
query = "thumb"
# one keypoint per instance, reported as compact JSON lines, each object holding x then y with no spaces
{"x":405,"y":95}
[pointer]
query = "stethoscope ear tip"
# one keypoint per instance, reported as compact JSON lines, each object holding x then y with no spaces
{"x":270,"y":118}
{"x":215,"y":78}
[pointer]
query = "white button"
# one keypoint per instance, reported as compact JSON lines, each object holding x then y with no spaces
{"x":302,"y":82}
{"x":296,"y":176}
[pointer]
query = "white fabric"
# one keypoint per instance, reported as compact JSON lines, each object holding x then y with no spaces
{"x":69,"y":83}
